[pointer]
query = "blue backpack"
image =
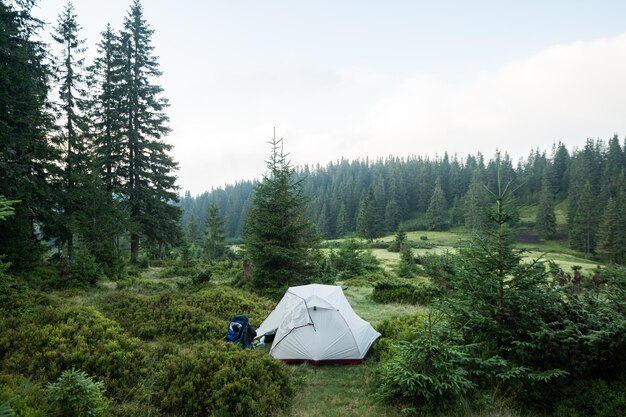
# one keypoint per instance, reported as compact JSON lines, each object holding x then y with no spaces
{"x":240,"y":331}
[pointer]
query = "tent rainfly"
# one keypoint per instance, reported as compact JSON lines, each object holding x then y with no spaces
{"x":315,"y":323}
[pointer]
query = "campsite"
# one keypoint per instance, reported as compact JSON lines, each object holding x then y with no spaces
{"x":312,"y":209}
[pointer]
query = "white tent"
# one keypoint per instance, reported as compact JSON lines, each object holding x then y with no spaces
{"x":316,"y":323}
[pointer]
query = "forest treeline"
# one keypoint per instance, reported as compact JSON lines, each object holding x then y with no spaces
{"x":376,"y":197}
{"x":82,"y":158}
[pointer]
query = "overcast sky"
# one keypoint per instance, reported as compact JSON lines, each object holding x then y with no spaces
{"x":375,"y":78}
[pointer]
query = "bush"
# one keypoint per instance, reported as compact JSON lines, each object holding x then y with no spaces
{"x":184,"y":316}
{"x":17,"y":300}
{"x":351,"y":260}
{"x":424,"y":373}
{"x":168,"y":315}
{"x":76,"y":394}
{"x":24,"y":397}
{"x":46,"y":342}
{"x":397,"y":328}
{"x":84,"y":270}
{"x":595,"y":398}
{"x":222,"y":380}
{"x":367,"y":280}
{"x":225,"y":302}
{"x":201,"y":277}
{"x":392,"y":291}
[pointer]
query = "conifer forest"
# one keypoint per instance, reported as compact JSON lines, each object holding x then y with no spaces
{"x":498,"y":285}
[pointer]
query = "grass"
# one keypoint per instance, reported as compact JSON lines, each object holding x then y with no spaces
{"x":336,"y":391}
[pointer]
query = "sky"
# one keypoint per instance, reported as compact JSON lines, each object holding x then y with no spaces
{"x":355,"y":79}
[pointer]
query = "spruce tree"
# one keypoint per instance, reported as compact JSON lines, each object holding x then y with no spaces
{"x":69,"y":67}
{"x":105,"y":111}
{"x":545,"y":222}
{"x":475,"y":203}
{"x":582,"y":234}
{"x":279,"y":239}
{"x":369,"y":221}
{"x":214,"y":240}
{"x":149,"y":182}
{"x":407,"y":267}
{"x":436,"y":213}
{"x":392,"y":215}
{"x":610,"y":235}
{"x":28,"y":161}
{"x":194,"y":236}
{"x":398,"y":242}
{"x":341,"y":226}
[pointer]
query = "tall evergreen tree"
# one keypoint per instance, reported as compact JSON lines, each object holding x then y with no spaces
{"x":279,"y":238}
{"x":28,"y":161}
{"x":611,"y":240}
{"x":150,"y":186}
{"x":369,"y":219}
{"x":194,"y":237}
{"x":69,"y":67}
{"x":105,"y":111}
{"x":341,"y":226}
{"x":392,"y":215}
{"x":436,"y":213}
{"x":475,"y":202}
{"x":545,"y":222}
{"x":582,"y":234}
{"x":214,"y":240}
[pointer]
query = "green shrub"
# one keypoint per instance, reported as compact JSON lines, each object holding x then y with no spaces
{"x":222,"y":380}
{"x":84,"y":270}
{"x":351,"y":260}
{"x":367,"y":280}
{"x":201,"y":277}
{"x":402,"y":328}
{"x":16,"y":299}
{"x":224,"y":302}
{"x":168,"y":315}
{"x":184,"y":316}
{"x":75,"y":394}
{"x":423,"y":373}
{"x":24,"y":397}
{"x":392,"y":291}
{"x":593,"y":398}
{"x":178,"y":270}
{"x":50,"y":340}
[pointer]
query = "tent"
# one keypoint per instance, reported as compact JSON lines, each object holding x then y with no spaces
{"x":315,"y":323}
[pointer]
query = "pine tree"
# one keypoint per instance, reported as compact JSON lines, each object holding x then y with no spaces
{"x":610,"y":235}
{"x":193,"y":231}
{"x":475,"y":203}
{"x":582,"y":234}
{"x":214,"y":240}
{"x":28,"y":162}
{"x":105,"y":111}
{"x":369,"y":218}
{"x":149,"y":180}
{"x":499,"y":302}
{"x":407,"y":267}
{"x":71,"y":92}
{"x":392,"y":215}
{"x":545,"y":222}
{"x":279,"y":238}
{"x":436,"y":213}
{"x":398,"y":242}
{"x":341,"y":226}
